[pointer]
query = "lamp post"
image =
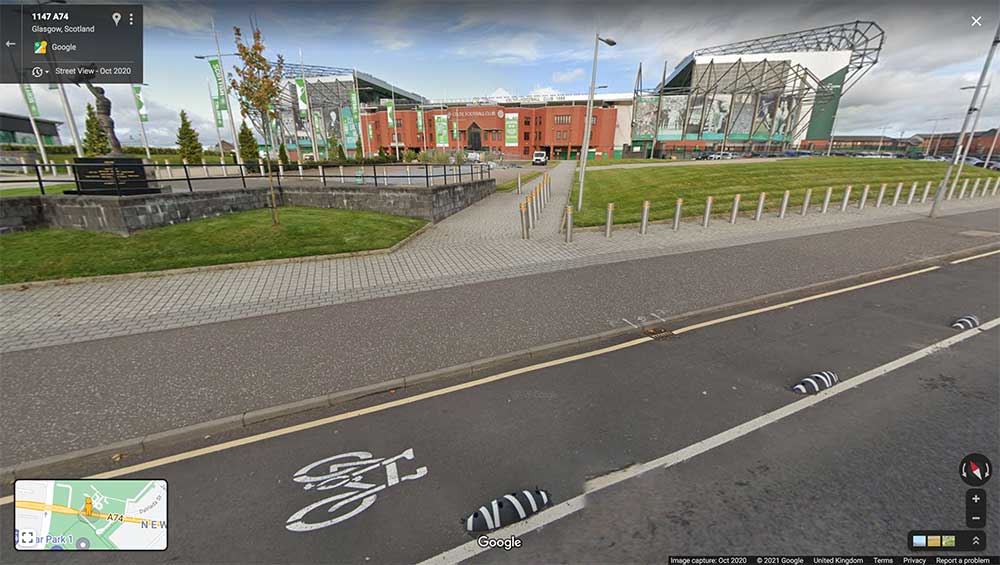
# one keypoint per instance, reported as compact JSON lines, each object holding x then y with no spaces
{"x":992,"y":146}
{"x":585,"y":147}
{"x":972,"y":108}
{"x":225,"y":92}
{"x":930,"y":142}
{"x":880,"y":137}
{"x":972,"y":134}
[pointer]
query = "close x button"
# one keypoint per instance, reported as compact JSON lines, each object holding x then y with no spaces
{"x":975,"y":508}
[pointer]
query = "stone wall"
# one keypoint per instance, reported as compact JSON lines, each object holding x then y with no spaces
{"x":21,"y":213}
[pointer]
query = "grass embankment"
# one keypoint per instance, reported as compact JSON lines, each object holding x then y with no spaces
{"x":662,"y":186}
{"x":33,"y":190}
{"x":161,"y":157}
{"x":512,"y":184}
{"x":245,"y":236}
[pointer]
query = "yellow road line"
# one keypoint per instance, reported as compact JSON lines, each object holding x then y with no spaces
{"x":177,"y":457}
{"x":974,"y":257}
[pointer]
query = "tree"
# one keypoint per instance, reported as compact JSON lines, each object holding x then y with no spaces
{"x":258,"y":85}
{"x":248,"y":144}
{"x":188,"y":142}
{"x":382,"y":155}
{"x":409,"y":155}
{"x":95,"y":141}
{"x":341,"y":156}
{"x":282,"y":154}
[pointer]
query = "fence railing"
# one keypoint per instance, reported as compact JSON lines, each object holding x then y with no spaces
{"x":122,"y":179}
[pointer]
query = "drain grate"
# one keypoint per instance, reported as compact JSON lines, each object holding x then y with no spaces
{"x":658,"y":333}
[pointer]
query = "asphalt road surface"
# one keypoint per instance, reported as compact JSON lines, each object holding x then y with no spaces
{"x":852,"y":474}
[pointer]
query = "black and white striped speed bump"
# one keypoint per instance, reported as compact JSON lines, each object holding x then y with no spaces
{"x":965,"y":322}
{"x":816,"y":382}
{"x":506,"y":510}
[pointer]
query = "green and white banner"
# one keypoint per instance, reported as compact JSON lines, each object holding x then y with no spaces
{"x":319,"y":126}
{"x":454,"y":129}
{"x":420,"y":120}
{"x":348,"y":128}
{"x":441,"y":130}
{"x":29,"y":95}
{"x":140,"y":103}
{"x":390,"y":112}
{"x":355,"y":113}
{"x":370,"y":135}
{"x":220,"y":79}
{"x":510,"y":130}
{"x":218,"y":112}
{"x":300,"y":85}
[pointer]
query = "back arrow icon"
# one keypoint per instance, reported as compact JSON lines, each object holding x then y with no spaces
{"x":9,"y":43}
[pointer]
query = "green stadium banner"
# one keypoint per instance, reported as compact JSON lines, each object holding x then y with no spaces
{"x":140,"y":103}
{"x":219,"y":80}
{"x":510,"y":130}
{"x":420,"y":120}
{"x":348,"y":128}
{"x":29,"y":95}
{"x":300,"y":85}
{"x":390,"y":112}
{"x":454,"y":130}
{"x":218,"y":112}
{"x":441,"y":130}
{"x":370,"y":134}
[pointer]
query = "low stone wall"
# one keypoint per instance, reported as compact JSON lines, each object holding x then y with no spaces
{"x":126,"y":214}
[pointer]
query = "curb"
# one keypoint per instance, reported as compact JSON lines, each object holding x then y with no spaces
{"x":139,"y":445}
{"x":13,"y":287}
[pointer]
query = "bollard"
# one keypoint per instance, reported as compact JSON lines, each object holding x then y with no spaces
{"x":609,"y":219}
{"x":784,"y":204}
{"x":736,"y":209}
{"x":24,"y":166}
{"x":895,"y":195}
{"x":644,"y":222}
{"x":523,"y":215}
{"x":708,"y":212}
{"x":847,"y":198}
{"x":864,"y":198}
{"x":760,"y":207}
{"x":826,"y":200}
{"x":204,"y":167}
{"x":677,"y":213}
{"x":965,"y":185}
{"x":913,"y":193}
{"x":170,"y":173}
{"x":951,"y":191}
{"x":569,"y":224}
{"x":805,"y":202}
{"x":300,"y":169}
{"x":341,"y":174}
{"x":222,"y":160}
{"x":996,"y":183}
{"x":531,"y":212}
{"x":281,"y":170}
{"x":986,"y":187}
{"x":519,"y":183}
{"x":322,"y":176}
{"x":927,"y":190}
{"x":975,"y":187}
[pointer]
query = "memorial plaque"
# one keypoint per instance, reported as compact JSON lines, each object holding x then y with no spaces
{"x":111,"y":176}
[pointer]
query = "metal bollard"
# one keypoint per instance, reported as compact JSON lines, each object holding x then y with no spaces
{"x":24,"y":166}
{"x":826,"y":200}
{"x":170,"y":174}
{"x":895,"y":195}
{"x":805,"y":202}
{"x":300,"y":170}
{"x":864,"y":198}
{"x":708,"y":212}
{"x":913,"y":193}
{"x":677,"y":213}
{"x":523,"y":215}
{"x":569,"y":224}
{"x":519,"y":183}
{"x":609,"y":219}
{"x":986,"y":187}
{"x":927,"y":190}
{"x":847,"y":198}
{"x":965,"y":185}
{"x":531,"y":212}
{"x":322,"y":176}
{"x":951,"y":191}
{"x":281,"y":170}
{"x":204,"y":167}
{"x":341,"y":174}
{"x":880,"y":197}
{"x":975,"y":187}
{"x":644,"y":222}
{"x":784,"y":204}
{"x":996,"y":183}
{"x":760,"y":207}
{"x":736,"y":209}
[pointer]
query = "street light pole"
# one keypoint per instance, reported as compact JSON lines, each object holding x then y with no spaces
{"x":229,"y":104}
{"x":829,"y":146}
{"x":992,"y":146}
{"x":972,"y":134}
{"x":972,"y":108}
{"x":880,"y":137}
{"x":585,"y":146}
{"x":70,"y":121}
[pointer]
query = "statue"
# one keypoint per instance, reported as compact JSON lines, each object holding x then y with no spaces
{"x":102,"y":107}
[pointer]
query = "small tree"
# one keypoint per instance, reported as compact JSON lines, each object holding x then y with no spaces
{"x":341,"y":156}
{"x":282,"y":155}
{"x":95,"y":141}
{"x":382,"y":155}
{"x":248,"y":144}
{"x":258,"y":85}
{"x":188,"y":142}
{"x":409,"y":155}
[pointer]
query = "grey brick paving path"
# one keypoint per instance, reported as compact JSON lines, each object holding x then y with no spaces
{"x":479,"y":244}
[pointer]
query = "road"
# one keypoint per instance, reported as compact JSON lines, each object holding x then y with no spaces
{"x":850,"y":474}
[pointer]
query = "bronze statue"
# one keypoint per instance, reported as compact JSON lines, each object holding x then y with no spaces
{"x":102,"y":107}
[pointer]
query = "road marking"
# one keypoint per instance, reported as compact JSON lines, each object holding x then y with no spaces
{"x":974,"y":257}
{"x":754,"y":312}
{"x":470,"y":549}
{"x":183,"y":456}
{"x":630,"y":323}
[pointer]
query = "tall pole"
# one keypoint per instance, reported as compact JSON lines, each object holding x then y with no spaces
{"x":992,"y":146}
{"x":972,"y":134}
{"x":585,"y":146}
{"x":34,"y":125}
{"x":972,"y":108}
{"x":880,"y":138}
{"x":142,"y":126}
{"x":361,"y":127}
{"x":829,"y":146}
{"x":659,"y":109}
{"x":72,"y":124}
{"x":309,"y":112}
{"x":229,"y":105}
{"x":218,"y":133}
{"x":930,"y":142}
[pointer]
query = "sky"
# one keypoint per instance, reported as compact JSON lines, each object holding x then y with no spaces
{"x":455,"y":49}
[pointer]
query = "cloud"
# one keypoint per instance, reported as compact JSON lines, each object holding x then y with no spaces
{"x":567,"y":76}
{"x":394,"y":44}
{"x":500,"y":93}
{"x":178,"y":16}
{"x":515,"y":49}
{"x":540,"y":90}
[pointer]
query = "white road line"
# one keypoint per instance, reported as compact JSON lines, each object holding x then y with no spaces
{"x":630,"y":323}
{"x":974,"y":257}
{"x":471,"y":549}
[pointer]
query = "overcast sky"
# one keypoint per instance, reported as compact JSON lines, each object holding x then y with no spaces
{"x":471,"y":49}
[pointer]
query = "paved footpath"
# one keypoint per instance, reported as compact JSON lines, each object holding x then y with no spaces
{"x":479,"y":244}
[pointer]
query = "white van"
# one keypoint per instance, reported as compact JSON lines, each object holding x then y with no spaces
{"x":539,"y":158}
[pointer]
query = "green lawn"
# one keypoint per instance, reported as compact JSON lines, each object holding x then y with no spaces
{"x":662,"y":186}
{"x":174,"y":159}
{"x":245,"y":236}
{"x":512,"y":184}
{"x":33,"y":191}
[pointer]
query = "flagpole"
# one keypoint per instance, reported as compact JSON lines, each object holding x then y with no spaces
{"x":69,"y":121}
{"x":142,"y":128}
{"x":225,"y":92}
{"x":309,"y":114}
{"x":395,"y":133}
{"x":361,"y":126}
{"x":34,"y":126}
{"x":215,"y":118}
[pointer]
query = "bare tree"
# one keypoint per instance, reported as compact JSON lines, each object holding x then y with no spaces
{"x":258,"y":85}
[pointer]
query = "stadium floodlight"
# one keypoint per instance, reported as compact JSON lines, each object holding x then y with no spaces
{"x":585,"y":146}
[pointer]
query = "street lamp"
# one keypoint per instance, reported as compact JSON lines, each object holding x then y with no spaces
{"x":585,"y":146}
{"x":972,"y":135}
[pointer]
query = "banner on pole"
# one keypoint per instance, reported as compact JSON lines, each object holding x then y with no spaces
{"x":220,"y":80}
{"x":390,"y":112}
{"x":510,"y":130}
{"x":319,"y":128}
{"x":218,"y":111}
{"x":29,"y":95}
{"x":300,"y":85}
{"x":348,"y":128}
{"x":454,"y":129}
{"x":441,"y":130}
{"x":140,"y":103}
{"x":420,"y":120}
{"x":370,"y":136}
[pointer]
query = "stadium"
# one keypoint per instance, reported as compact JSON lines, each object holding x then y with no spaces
{"x":766,"y":94}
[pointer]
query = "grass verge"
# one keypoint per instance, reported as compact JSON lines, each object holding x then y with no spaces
{"x":662,"y":186}
{"x":33,"y":190}
{"x":245,"y":236}
{"x":512,"y":184}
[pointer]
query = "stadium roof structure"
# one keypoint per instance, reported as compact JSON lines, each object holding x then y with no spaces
{"x":371,"y":89}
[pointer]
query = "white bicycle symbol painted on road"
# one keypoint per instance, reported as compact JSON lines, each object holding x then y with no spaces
{"x":344,"y":473}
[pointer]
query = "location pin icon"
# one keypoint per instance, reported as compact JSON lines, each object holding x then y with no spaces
{"x":116,"y":17}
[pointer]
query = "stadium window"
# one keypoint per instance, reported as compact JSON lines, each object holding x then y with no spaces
{"x":526,"y":149}
{"x":527,"y":136}
{"x":562,"y":119}
{"x":538,"y":136}
{"x":538,"y":120}
{"x":527,"y":121}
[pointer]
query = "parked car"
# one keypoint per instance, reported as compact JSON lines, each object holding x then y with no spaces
{"x":703,"y":156}
{"x":721,"y":155}
{"x":539,"y":158}
{"x":974,"y":161}
{"x":473,"y":157}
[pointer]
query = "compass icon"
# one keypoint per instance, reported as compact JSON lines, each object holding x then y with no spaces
{"x":975,"y":469}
